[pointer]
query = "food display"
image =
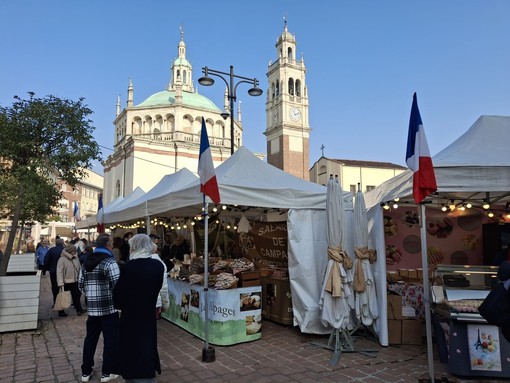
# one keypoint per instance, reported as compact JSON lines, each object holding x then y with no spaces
{"x":465,"y":305}
{"x":221,"y":271}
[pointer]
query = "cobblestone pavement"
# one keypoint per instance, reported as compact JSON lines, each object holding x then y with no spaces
{"x":52,"y":353}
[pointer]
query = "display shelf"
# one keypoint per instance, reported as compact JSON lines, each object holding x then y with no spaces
{"x":457,"y":308}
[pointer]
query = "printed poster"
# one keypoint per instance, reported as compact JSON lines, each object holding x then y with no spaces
{"x":234,"y":315}
{"x":484,"y":347}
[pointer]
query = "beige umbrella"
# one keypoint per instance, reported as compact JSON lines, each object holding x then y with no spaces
{"x":364,"y":282}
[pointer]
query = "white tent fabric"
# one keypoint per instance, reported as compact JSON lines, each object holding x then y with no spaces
{"x":91,"y":221}
{"x":154,"y":201}
{"x":246,"y":180}
{"x":474,"y":167}
{"x":110,"y":213}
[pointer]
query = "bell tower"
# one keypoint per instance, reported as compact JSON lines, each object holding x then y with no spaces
{"x":287,"y":128}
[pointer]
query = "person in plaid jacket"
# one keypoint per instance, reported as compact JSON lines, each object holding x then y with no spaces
{"x":98,"y":277}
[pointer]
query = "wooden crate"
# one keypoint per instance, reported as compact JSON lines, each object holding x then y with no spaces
{"x":249,"y":278}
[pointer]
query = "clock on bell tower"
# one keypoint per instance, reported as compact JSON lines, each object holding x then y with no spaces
{"x":287,"y":132}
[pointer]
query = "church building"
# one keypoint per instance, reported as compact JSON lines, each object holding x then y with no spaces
{"x":287,"y":128}
{"x":161,"y":135}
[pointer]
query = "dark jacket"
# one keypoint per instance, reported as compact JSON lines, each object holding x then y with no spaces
{"x":136,"y":294}
{"x":52,"y":257}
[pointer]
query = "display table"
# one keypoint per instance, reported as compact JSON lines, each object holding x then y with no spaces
{"x":234,"y":314}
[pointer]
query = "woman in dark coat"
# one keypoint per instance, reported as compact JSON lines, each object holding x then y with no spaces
{"x":135,"y":294}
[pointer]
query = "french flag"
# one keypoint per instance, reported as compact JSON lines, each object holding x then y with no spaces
{"x":76,"y":212}
{"x":100,"y":215}
{"x":208,"y":182}
{"x":418,"y":157}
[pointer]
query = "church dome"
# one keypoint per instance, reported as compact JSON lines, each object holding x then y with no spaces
{"x":286,"y":36}
{"x":167,"y":98}
{"x":181,"y":61}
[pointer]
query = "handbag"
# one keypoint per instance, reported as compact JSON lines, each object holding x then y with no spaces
{"x":496,"y":307}
{"x":63,"y":300}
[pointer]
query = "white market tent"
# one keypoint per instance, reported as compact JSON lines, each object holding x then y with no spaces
{"x":154,"y":201}
{"x":246,"y":180}
{"x":91,"y":221}
{"x":475,"y":167}
{"x":133,"y":196}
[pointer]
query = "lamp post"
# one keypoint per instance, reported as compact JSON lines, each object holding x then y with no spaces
{"x":231,"y":91}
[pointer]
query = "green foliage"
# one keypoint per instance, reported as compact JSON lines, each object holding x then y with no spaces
{"x":41,"y":139}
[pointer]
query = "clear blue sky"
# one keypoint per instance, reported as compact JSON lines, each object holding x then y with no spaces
{"x":364,"y":60}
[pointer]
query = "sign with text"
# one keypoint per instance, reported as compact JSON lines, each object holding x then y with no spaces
{"x":234,"y":314}
{"x":266,"y":243}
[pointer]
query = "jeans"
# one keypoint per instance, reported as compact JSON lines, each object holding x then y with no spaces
{"x":108,"y":325}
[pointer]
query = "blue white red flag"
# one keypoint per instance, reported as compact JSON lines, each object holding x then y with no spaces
{"x":76,"y":212}
{"x":418,"y":156}
{"x":100,"y":215}
{"x":208,"y":182}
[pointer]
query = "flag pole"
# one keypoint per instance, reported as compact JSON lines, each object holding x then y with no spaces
{"x":208,"y":352}
{"x":426,"y":291}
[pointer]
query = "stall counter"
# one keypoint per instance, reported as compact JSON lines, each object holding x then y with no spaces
{"x":234,"y":314}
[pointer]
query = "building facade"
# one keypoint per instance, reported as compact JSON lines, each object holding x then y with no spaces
{"x":161,"y":135}
{"x":368,"y":174}
{"x":85,"y":193}
{"x":287,"y":127}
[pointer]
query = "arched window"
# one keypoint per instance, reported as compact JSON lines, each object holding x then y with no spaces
{"x":298,"y":88}
{"x":273,"y":90}
{"x":289,"y":52}
{"x":184,"y":77}
{"x":291,"y":86}
{"x":277,"y":88}
{"x":117,"y":188}
{"x":178,"y":74}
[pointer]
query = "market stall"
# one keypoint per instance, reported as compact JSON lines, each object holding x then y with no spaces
{"x":474,"y":348}
{"x":252,"y":188}
{"x":473,"y":170}
{"x":234,"y":314}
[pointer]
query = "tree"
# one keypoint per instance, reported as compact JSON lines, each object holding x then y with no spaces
{"x":41,"y":139}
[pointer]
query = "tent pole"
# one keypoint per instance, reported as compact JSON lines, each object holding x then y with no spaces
{"x":208,"y":352}
{"x":426,"y":291}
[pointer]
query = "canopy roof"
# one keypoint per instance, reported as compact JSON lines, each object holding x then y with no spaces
{"x":111,"y":209}
{"x":474,"y":168}
{"x":140,"y":207}
{"x":243,"y":179}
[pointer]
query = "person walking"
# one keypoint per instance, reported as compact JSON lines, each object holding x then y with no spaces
{"x":98,"y":277}
{"x":68,"y":270}
{"x":136,"y":295}
{"x":50,"y":264}
{"x":40,"y":254}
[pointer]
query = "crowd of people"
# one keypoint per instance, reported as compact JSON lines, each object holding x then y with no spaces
{"x":124,"y":282}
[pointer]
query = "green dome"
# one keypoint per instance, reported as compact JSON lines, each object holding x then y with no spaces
{"x":181,"y":61}
{"x":188,"y":99}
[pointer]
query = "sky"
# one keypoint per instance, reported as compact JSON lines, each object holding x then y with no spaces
{"x":364,"y":61}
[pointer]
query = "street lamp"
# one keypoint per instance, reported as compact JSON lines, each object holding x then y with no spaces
{"x":231,"y":90}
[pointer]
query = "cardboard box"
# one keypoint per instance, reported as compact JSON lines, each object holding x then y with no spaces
{"x":412,"y":331}
{"x":394,"y":306}
{"x":394,"y":331}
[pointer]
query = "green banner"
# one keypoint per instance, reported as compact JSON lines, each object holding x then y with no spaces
{"x":234,"y":314}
